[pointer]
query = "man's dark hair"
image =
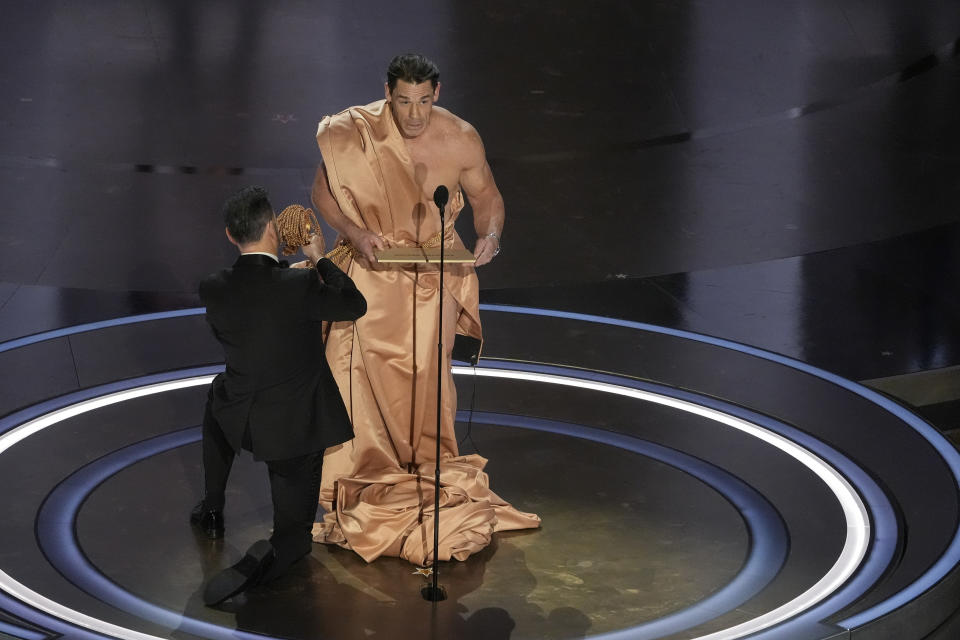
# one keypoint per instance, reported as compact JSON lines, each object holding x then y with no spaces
{"x":412,"y":68}
{"x":246,"y":214}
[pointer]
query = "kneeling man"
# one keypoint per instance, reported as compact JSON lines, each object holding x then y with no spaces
{"x":277,"y":397}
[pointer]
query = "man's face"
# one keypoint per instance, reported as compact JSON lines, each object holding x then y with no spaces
{"x":412,"y":105}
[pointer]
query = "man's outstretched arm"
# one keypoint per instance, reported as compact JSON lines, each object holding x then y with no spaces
{"x":477,"y":181}
{"x":362,"y":239}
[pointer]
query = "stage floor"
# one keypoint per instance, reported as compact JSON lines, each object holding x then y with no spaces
{"x":690,"y":487}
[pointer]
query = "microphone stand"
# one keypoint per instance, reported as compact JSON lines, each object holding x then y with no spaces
{"x":435,"y":592}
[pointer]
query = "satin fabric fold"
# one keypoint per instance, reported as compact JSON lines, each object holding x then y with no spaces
{"x":392,"y":514}
{"x":377,"y":490}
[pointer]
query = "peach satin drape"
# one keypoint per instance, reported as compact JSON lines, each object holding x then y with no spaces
{"x":378,"y":489}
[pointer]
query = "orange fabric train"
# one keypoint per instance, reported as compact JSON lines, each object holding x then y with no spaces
{"x":377,"y":489}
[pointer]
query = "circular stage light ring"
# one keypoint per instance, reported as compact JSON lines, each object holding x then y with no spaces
{"x":947,"y":561}
{"x":854,"y":548}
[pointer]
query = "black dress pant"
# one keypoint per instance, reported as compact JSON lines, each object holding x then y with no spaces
{"x":294,"y":489}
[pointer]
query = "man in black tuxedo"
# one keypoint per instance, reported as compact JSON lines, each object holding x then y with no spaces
{"x":277,"y":397}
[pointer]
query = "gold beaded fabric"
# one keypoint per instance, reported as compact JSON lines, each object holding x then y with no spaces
{"x":296,"y":224}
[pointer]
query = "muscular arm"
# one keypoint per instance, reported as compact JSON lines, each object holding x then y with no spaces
{"x":364,"y":240}
{"x":325,"y":203}
{"x":485,"y":199}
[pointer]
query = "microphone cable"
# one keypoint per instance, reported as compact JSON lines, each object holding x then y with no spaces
{"x":473,"y":397}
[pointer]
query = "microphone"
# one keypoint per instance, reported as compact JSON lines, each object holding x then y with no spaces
{"x":440,"y":197}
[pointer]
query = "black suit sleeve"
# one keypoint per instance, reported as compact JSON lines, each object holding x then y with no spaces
{"x":336,"y":298}
{"x":204,"y":291}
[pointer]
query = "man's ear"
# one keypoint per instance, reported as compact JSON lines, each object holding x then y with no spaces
{"x":436,"y":93}
{"x":230,"y":237}
{"x":386,"y":91}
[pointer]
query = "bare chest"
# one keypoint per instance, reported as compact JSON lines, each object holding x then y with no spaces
{"x":434,"y":164}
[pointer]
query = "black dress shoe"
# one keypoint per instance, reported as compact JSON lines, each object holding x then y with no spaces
{"x":209,"y":521}
{"x":242,"y":575}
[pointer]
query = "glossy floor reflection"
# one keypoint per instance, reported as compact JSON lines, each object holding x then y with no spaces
{"x":601,"y":557}
{"x":662,"y":520}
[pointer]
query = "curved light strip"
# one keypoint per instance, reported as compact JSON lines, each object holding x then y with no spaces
{"x":763,"y":562}
{"x":101,"y":324}
{"x":55,"y":533}
{"x":950,"y":455}
{"x":854,"y":549}
{"x":947,"y":561}
{"x":766,"y":530}
{"x":57,"y":610}
{"x":20,"y":632}
{"x":27,"y":429}
{"x":854,"y":511}
{"x":885,"y":528}
{"x":17,"y":434}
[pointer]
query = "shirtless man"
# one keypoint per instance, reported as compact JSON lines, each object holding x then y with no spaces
{"x":444,"y":150}
{"x":381,"y":164}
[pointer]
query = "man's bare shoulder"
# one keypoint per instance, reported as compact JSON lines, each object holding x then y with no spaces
{"x":457,"y":132}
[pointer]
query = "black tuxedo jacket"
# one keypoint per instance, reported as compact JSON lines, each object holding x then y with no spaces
{"x":277,"y":388}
